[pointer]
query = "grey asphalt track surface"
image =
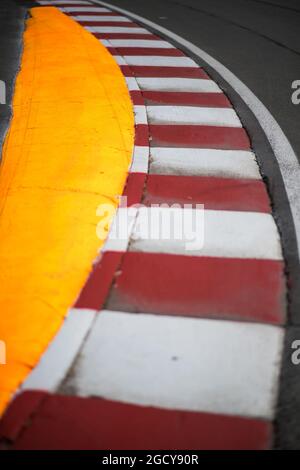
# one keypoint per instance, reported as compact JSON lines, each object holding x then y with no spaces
{"x":11,"y":30}
{"x":12,"y":23}
{"x":258,"y":41}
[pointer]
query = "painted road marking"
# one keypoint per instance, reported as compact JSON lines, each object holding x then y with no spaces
{"x":166,"y":72}
{"x":214,"y":137}
{"x":209,"y":162}
{"x":60,"y":354}
{"x":140,"y":160}
{"x":227,"y":234}
{"x":212,"y":100}
{"x":240,"y":289}
{"x":131,"y":35}
{"x":59,"y":3}
{"x":193,"y":115}
{"x":146,"y":51}
{"x":141,"y":135}
{"x":139,"y":43}
{"x":180,"y":85}
{"x":104,"y":23}
{"x":85,"y":8}
{"x":116,"y":29}
{"x":102,"y":19}
{"x":122,"y":225}
{"x":232,"y":194}
{"x":282,"y":148}
{"x":125,"y":355}
{"x":118,"y":425}
{"x":140,"y":115}
{"x":159,"y":61}
{"x":132,"y":84}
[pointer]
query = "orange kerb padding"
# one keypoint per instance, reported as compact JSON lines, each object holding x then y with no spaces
{"x":67,"y":151}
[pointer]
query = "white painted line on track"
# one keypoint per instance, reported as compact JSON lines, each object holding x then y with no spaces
{"x":120,"y":230}
{"x":141,"y":43}
{"x":203,"y":162}
{"x":193,"y":115}
{"x":140,"y":160}
{"x":140,"y":115}
{"x":226,"y":234}
{"x":105,"y":42}
{"x":283,"y":151}
{"x":120,"y":60}
{"x":59,"y":2}
{"x":159,"y":61}
{"x":181,"y":363}
{"x":132,"y":84}
{"x":85,"y":8}
{"x":60,"y":354}
{"x":178,"y":85}
{"x":101,"y":19}
{"x":116,"y":29}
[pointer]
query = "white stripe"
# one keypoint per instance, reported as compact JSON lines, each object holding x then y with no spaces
{"x":181,"y":363}
{"x":132,"y":84}
{"x":203,"y":162}
{"x":101,"y":19}
{"x":116,"y":29}
{"x":284,"y":153}
{"x":178,"y":84}
{"x":60,"y":354}
{"x":140,"y":115}
{"x":120,"y":230}
{"x":105,"y":42}
{"x":58,"y":2}
{"x":227,"y":234}
{"x":141,"y":43}
{"x":87,"y":8}
{"x":193,"y":115}
{"x":120,"y":60}
{"x":140,"y":160}
{"x":159,"y":61}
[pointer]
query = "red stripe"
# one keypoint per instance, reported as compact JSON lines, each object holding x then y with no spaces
{"x":126,"y":70}
{"x":69,"y":422}
{"x":134,"y":188}
{"x":97,"y":286}
{"x":239,"y":289}
{"x":228,"y":138}
{"x":19,"y":413}
{"x":109,"y":23}
{"x":125,"y":36}
{"x":159,"y":72}
{"x":214,"y":193}
{"x":148,"y":51}
{"x":215,"y":100}
{"x":141,"y":135}
{"x":137,"y":97}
